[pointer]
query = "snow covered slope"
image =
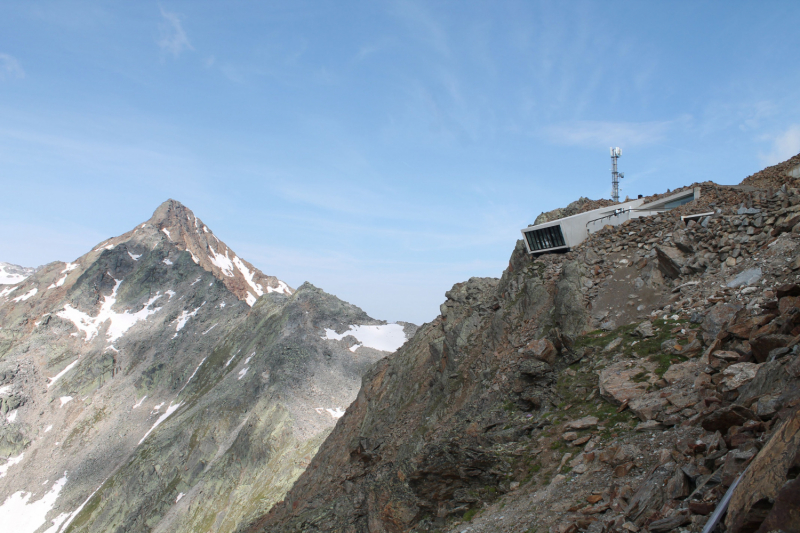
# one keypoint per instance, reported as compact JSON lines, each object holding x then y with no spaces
{"x":13,"y":274}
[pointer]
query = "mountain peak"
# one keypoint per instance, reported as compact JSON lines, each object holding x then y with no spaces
{"x":178,"y":225}
{"x":175,"y":228}
{"x":168,"y":210}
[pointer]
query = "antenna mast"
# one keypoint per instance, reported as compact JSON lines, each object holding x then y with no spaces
{"x":616,"y":153}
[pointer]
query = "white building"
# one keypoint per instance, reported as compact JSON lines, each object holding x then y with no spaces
{"x":566,"y":233}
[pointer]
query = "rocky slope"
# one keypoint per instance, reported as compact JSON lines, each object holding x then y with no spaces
{"x":162,"y":383}
{"x":623,"y":386}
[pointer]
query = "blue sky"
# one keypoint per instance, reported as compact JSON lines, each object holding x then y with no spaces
{"x":380,"y":150}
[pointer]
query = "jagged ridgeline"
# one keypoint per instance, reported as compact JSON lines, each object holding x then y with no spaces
{"x":162,"y":383}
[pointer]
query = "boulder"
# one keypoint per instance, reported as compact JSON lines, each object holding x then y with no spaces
{"x":651,"y":495}
{"x":722,"y":358}
{"x":582,"y":423}
{"x":543,"y":350}
{"x":768,"y":405}
{"x":790,"y":289}
{"x":533,"y":368}
{"x":764,"y":344}
{"x":787,"y":303}
{"x":626,"y":380}
{"x":770,"y":378}
{"x":644,"y":330}
{"x":682,"y":242}
{"x":613,"y":345}
{"x":669,"y":261}
{"x":684,"y":373}
{"x":726,"y":417}
{"x":765,"y":478}
{"x":618,"y":454}
{"x":747,"y":277}
{"x":737,"y":375}
{"x":785,"y":512}
{"x":717,"y":318}
{"x":648,"y":406}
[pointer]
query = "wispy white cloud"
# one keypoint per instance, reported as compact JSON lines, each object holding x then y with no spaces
{"x":173,"y":37}
{"x":604,"y":133}
{"x":10,"y":67}
{"x":784,"y":146}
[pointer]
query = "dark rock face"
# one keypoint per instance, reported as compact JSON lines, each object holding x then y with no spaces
{"x":416,"y":441}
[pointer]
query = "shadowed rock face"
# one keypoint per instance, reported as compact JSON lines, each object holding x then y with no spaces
{"x":142,"y":371}
{"x":417,"y":442}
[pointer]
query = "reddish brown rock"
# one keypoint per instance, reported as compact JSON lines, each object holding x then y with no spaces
{"x":543,"y":350}
{"x":785,"y":513}
{"x":791,"y":289}
{"x":764,"y":344}
{"x":702,"y":508}
{"x":722,"y":358}
{"x":786,"y":304}
{"x":765,"y":478}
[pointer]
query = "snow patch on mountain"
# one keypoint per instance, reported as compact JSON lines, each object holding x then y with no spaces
{"x":119,"y":322}
{"x":248,"y":276}
{"x":62,"y":521}
{"x":20,"y":516}
{"x":135,"y":257}
{"x":184,"y":318}
{"x":335,"y":412}
{"x":70,"y":267}
{"x":26,"y":295}
{"x":250,"y":300}
{"x":282,"y":287}
{"x":193,"y":373}
{"x":387,"y":338}
{"x":221,"y":261}
{"x":7,"y":291}
{"x":60,"y":374}
{"x":13,"y":274}
{"x":9,"y":463}
{"x":171,"y":409}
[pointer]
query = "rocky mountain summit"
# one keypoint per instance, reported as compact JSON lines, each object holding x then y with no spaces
{"x":162,"y":383}
{"x":647,"y":380}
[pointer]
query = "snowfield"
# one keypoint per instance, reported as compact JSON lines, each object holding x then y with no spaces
{"x":387,"y":338}
{"x":119,"y":322}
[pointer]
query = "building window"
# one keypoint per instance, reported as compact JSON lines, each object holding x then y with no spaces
{"x":545,"y":238}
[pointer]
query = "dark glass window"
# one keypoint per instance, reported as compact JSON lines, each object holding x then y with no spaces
{"x":545,"y":238}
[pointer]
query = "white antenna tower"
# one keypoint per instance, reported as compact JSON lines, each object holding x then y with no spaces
{"x":616,"y":153}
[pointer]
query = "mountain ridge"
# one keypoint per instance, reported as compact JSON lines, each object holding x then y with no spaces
{"x":157,"y":343}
